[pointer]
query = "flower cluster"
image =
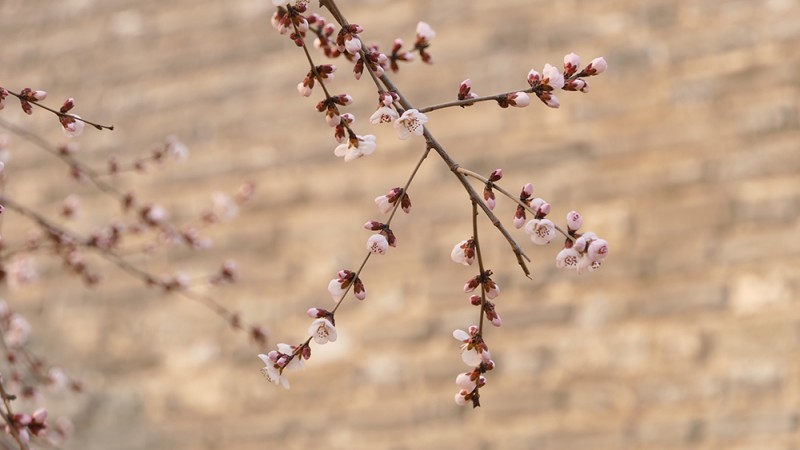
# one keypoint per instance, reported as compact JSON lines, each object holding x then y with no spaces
{"x":285,"y":357}
{"x":581,"y":251}
{"x":25,"y":425}
{"x":290,"y":18}
{"x":475,"y":354}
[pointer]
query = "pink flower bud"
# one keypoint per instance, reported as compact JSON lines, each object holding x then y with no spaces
{"x":40,"y":415}
{"x":519,"y":99}
{"x":596,"y":67}
{"x":304,"y":89}
{"x":598,"y":250}
{"x":534,"y":78}
{"x":571,"y":63}
{"x":344,"y":99}
{"x":316,"y":313}
{"x":352,"y":45}
{"x":373,"y":225}
{"x":574,"y":220}
{"x":68,"y":105}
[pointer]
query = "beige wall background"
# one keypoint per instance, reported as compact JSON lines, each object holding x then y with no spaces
{"x":684,"y":155}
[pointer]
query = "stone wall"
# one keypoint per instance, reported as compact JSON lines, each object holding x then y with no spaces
{"x":684,"y":155}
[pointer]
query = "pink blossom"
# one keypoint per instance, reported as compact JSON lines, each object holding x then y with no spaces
{"x":574,"y":220}
{"x":378,"y":244}
{"x":541,"y":231}
{"x":18,"y":331}
{"x":598,"y":250}
{"x":519,"y":218}
{"x":352,"y":45}
{"x":425,"y":32}
{"x":568,"y":258}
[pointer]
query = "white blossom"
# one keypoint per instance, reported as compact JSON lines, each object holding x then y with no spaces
{"x":323,"y":331}
{"x":410,"y":123}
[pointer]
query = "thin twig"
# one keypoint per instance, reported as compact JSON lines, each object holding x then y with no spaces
{"x":432,"y":143}
{"x":231,"y":317}
{"x":508,"y":194}
{"x":60,"y":114}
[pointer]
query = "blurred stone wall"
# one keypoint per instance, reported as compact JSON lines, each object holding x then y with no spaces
{"x":685,"y":156}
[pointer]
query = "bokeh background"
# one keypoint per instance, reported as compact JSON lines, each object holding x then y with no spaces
{"x":684,"y":155}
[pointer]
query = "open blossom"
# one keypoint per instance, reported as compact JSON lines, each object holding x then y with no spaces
{"x":276,"y":361}
{"x":323,"y":331}
{"x":552,"y":77}
{"x":356,"y":148}
{"x":587,"y":253}
{"x":410,"y":123}
{"x":378,"y":244}
{"x":541,"y":231}
{"x":384,"y":114}
{"x":473,"y":350}
{"x":424,"y":31}
{"x":568,"y":258}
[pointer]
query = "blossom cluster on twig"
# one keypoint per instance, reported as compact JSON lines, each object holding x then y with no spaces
{"x":142,"y":228}
{"x":339,"y":38}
